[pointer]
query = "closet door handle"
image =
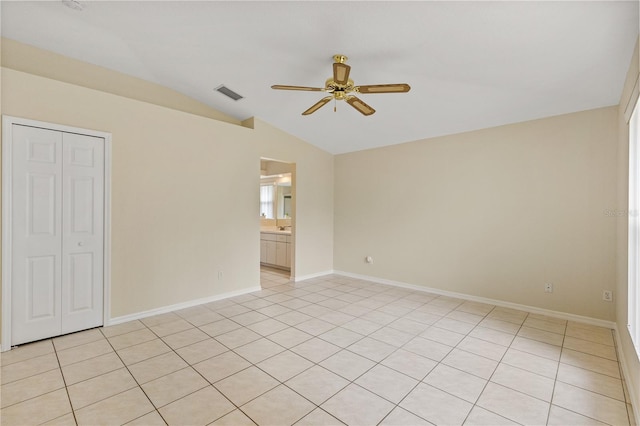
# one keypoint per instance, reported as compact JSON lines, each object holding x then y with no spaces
{"x":80,"y":244}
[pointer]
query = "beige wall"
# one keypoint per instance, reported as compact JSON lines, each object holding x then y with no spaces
{"x":176,"y":221}
{"x":625,"y":345}
{"x":495,"y":213}
{"x":23,"y":57}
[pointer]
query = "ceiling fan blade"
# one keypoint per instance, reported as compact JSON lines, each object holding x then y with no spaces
{"x":308,"y":89}
{"x":341,"y":73}
{"x":360,"y":106}
{"x":384,"y":88}
{"x":317,"y":105}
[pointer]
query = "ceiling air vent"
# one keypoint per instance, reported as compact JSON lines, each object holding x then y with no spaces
{"x":228,"y":92}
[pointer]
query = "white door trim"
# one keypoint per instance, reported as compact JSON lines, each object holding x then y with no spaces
{"x":7,"y":136}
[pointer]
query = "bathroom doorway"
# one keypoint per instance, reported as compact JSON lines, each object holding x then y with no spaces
{"x":277,"y":221}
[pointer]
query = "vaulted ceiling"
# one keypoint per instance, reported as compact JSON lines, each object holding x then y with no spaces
{"x":470,"y":65}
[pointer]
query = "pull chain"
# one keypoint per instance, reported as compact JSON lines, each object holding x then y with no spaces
{"x":335,"y":105}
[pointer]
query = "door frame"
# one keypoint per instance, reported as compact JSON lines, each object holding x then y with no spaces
{"x":7,"y":136}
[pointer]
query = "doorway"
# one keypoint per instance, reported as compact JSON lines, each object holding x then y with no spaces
{"x":277,"y":219}
{"x":55,"y":230}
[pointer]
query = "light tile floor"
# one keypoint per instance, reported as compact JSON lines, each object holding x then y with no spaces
{"x":326,"y":351}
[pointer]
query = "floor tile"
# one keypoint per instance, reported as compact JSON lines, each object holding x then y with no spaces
{"x":559,"y":416}
{"x":387,"y":383}
{"x":29,"y":367}
{"x":317,"y":384}
{"x":471,"y":363}
{"x":337,"y":318}
{"x":591,"y":348}
{"x":496,"y":324}
{"x":493,"y":336}
{"x":234,"y":418}
{"x":392,"y":336}
{"x":356,"y":405}
{"x":520,"y":408}
{"x":279,"y":406}
{"x":534,"y":347}
{"x":362,"y":326}
{"x":118,"y":409}
{"x":289,"y":337}
{"x":454,"y":325}
{"x":259,"y":350}
{"x":456,"y":382}
{"x":553,"y":326}
{"x":425,"y":318}
{"x":591,"y":333}
{"x":185,"y":338}
{"x":378,"y":317}
{"x":37,"y":410}
{"x":151,"y":419}
{"x":483,"y":348}
{"x":160,"y":319}
{"x":285,"y":365}
{"x":541,"y":336}
{"x":372,"y":349}
{"x":267,"y":327}
{"x":315,"y":350}
{"x":590,"y":362}
{"x":590,"y":404}
{"x":204,"y":318}
{"x":238,"y":337}
{"x":591,"y":381}
{"x":409,"y":363}
{"x":173,"y":386}
{"x":428,"y":348}
{"x":481,"y":417}
{"x":76,"y":339}
{"x":533,"y":363}
{"x":319,"y":417}
{"x":92,"y":367}
{"x":524,"y":381}
{"x":217,"y":328}
{"x":101,"y":387}
{"x":28,"y":351}
{"x":347,"y":364}
{"x":136,"y":337}
{"x":315,"y":326}
{"x":401,"y":417}
{"x":83,"y":352}
{"x":443,"y":336}
{"x":64,"y":420}
{"x":341,"y":337}
{"x":221,"y":366}
{"x":273,"y":310}
{"x":249,"y":318}
{"x":143,"y":351}
{"x":436,"y":406}
{"x":465,"y":317}
{"x":152,"y":368}
{"x":293,"y":318}
{"x":246,"y":385}
{"x":31,"y":387}
{"x":200,"y":351}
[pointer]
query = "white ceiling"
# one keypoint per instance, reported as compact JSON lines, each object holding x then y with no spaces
{"x":471,"y":65}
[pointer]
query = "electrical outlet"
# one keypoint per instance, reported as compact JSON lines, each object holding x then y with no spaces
{"x":219,"y":275}
{"x":548,"y":288}
{"x":607,"y":295}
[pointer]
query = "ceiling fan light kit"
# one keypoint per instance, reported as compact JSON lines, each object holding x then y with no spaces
{"x":340,"y":87}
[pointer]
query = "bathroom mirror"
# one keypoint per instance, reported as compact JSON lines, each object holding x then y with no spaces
{"x":275,"y":197}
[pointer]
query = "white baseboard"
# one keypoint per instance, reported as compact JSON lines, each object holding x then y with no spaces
{"x":627,"y":377}
{"x":310,"y":276}
{"x":501,"y":303}
{"x":178,"y":306}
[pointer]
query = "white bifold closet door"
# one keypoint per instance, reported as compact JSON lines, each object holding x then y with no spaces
{"x":57,"y":233}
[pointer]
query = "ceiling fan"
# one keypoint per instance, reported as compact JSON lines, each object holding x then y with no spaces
{"x":341,"y":87}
